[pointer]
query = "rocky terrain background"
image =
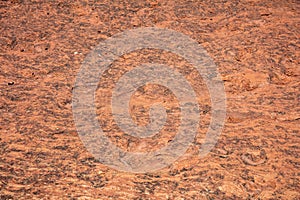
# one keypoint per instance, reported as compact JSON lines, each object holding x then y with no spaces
{"x":255,"y":45}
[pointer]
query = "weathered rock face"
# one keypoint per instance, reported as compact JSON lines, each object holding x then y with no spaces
{"x":255,"y":45}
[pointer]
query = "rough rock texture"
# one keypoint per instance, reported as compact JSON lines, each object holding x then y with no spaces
{"x":256,"y":47}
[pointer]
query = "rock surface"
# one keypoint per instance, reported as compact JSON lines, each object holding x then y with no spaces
{"x":256,"y":47}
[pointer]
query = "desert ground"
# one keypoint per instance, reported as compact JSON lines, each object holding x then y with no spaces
{"x":256,"y":47}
